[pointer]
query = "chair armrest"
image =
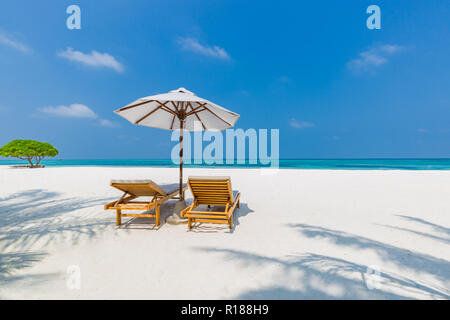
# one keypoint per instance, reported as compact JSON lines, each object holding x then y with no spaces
{"x":186,"y":210}
{"x":235,"y":201}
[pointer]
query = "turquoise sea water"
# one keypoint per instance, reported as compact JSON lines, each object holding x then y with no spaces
{"x":340,"y":164}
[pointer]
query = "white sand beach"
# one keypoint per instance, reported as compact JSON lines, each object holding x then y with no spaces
{"x":299,"y":234}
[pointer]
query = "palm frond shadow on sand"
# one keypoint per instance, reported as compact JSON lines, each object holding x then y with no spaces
{"x":436,"y":227}
{"x":310,"y":276}
{"x":10,"y":263}
{"x":39,"y":215}
{"x":411,"y":260}
{"x":441,"y":234}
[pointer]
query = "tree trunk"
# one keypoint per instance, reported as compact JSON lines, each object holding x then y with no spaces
{"x":31,"y":162}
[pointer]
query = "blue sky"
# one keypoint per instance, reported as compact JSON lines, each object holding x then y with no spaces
{"x":334,"y":88}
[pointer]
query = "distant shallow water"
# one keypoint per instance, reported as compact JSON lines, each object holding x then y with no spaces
{"x":336,"y":164}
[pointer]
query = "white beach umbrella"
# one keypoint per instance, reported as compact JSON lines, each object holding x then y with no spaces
{"x":178,"y":109}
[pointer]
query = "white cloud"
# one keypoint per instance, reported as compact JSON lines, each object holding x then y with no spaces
{"x":193,"y":45}
{"x":284,"y":79}
{"x":108,"y":123}
{"x":8,"y":40}
{"x":390,"y":48}
{"x":374,"y":57}
{"x":93,"y":59}
{"x":75,"y":110}
{"x":294,"y":123}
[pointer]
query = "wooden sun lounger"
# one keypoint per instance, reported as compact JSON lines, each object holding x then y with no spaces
{"x":141,"y":188}
{"x":211,"y":191}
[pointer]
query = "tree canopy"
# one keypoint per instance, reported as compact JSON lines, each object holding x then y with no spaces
{"x":28,"y":150}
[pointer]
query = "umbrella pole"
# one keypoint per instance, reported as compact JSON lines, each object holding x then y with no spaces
{"x":181,"y":159}
{"x":180,"y":205}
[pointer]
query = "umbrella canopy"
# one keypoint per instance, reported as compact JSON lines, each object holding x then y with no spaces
{"x":178,"y":109}
{"x":167,"y":110}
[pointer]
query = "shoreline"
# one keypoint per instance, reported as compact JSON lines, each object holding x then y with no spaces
{"x":226,"y":168}
{"x":306,"y":164}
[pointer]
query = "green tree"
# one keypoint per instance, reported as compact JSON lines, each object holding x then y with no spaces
{"x":28,"y":150}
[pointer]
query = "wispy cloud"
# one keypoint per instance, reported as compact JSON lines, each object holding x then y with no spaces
{"x":285,"y":80}
{"x":75,"y":110}
{"x":8,"y":40}
{"x":294,"y":123}
{"x":93,"y":59}
{"x":374,"y":57}
{"x":193,"y":45}
{"x":423,"y":130}
{"x":108,"y":123}
{"x":3,"y":108}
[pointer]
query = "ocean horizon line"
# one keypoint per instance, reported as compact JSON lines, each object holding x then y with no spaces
{"x":325,"y":163}
{"x":225,"y":159}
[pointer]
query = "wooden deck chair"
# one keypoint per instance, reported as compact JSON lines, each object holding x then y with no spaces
{"x":211,"y":191}
{"x":141,"y":188}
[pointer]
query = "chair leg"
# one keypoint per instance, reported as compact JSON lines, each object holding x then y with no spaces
{"x":239,"y":203}
{"x":230,"y":222}
{"x":189,"y":223}
{"x":118,"y":217}
{"x":157,"y":211}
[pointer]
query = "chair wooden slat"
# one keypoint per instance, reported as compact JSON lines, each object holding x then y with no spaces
{"x":136,"y":190}
{"x":211,"y":192}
